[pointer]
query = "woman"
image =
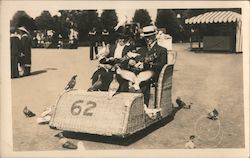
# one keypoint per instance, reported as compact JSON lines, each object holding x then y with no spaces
{"x":116,"y":56}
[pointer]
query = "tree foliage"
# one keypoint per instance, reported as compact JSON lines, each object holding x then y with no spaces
{"x":166,"y":18}
{"x":87,"y":20}
{"x":45,"y":21}
{"x":109,"y":19}
{"x":142,"y":17}
{"x":21,"y":18}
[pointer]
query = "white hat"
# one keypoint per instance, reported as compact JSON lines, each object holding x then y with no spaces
{"x":149,"y":30}
{"x":23,"y":29}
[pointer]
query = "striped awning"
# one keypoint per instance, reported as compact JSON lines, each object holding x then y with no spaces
{"x":214,"y":17}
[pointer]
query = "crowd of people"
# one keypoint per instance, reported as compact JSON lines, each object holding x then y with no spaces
{"x":136,"y":69}
{"x":20,"y":43}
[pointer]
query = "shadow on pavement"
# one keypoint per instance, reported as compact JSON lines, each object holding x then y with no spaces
{"x":51,"y":68}
{"x":37,"y":72}
{"x":40,"y":72}
{"x":119,"y":140}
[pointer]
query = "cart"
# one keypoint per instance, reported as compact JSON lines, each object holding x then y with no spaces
{"x":121,"y":116}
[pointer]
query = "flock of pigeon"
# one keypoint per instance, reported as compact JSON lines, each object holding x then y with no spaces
{"x":114,"y":85}
{"x":213,"y":115}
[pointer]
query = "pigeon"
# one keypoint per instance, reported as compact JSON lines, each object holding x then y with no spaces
{"x":27,"y":112}
{"x":180,"y":102}
{"x":190,"y":144}
{"x":46,"y":112}
{"x":67,"y":144}
{"x":71,"y":83}
{"x":43,"y":120}
{"x":113,"y":87}
{"x":97,"y":85}
{"x":59,"y":135}
{"x":122,"y":22}
{"x":213,"y":115}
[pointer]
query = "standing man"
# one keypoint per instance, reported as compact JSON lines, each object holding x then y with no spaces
{"x":105,"y":37}
{"x":16,"y":46}
{"x":93,"y":43}
{"x":26,"y":45}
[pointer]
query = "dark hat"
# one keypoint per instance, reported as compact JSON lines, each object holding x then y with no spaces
{"x":122,"y":36}
{"x":123,"y":33}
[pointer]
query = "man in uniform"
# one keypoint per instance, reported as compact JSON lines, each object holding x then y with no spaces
{"x":93,"y":43}
{"x":26,"y":49}
{"x":16,"y":46}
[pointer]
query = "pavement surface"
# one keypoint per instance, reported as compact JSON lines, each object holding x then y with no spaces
{"x":207,"y":80}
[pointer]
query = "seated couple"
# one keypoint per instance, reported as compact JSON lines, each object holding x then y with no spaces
{"x":135,"y":69}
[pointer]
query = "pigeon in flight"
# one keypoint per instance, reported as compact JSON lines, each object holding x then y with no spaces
{"x":27,"y":112}
{"x":71,"y":83}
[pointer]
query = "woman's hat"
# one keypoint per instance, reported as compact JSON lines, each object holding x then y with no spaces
{"x":149,"y":31}
{"x":123,"y":33}
{"x":23,"y":29}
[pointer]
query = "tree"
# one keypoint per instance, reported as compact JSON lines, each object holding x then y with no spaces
{"x":142,"y":17}
{"x":109,"y":19}
{"x":45,"y":21}
{"x":166,"y":18}
{"x":87,"y":20}
{"x":21,"y":18}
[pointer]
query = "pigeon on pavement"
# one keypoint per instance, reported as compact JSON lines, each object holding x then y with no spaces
{"x":67,"y":144}
{"x":71,"y":83}
{"x":213,"y":115}
{"x":59,"y":135}
{"x":27,"y":112}
{"x":181,"y":103}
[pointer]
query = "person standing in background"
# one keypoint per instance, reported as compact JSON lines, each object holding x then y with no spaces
{"x":15,"y":51}
{"x":93,"y":43}
{"x":26,"y":49}
{"x":105,"y":37}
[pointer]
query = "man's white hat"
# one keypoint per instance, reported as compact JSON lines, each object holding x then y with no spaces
{"x":149,"y":30}
{"x":23,"y":29}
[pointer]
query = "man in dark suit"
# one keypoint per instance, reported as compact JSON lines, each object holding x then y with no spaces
{"x":117,"y":53}
{"x":26,"y":44}
{"x":154,"y":57}
{"x":16,"y":46}
{"x":93,"y":43}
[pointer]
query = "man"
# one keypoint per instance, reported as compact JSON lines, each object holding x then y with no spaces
{"x":105,"y":37}
{"x":117,"y":55}
{"x":93,"y":43}
{"x":26,"y":45}
{"x":16,"y":46}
